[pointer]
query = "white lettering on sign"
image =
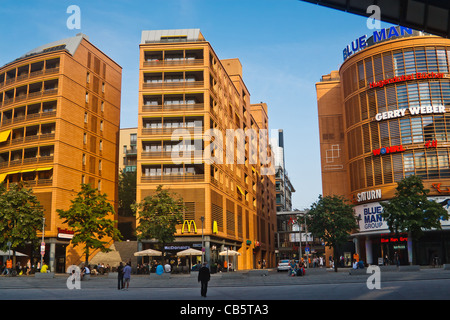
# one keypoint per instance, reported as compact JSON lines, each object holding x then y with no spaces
{"x":368,"y":195}
{"x":412,"y":111}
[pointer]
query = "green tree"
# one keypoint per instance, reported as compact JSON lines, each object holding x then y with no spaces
{"x":158,"y":216}
{"x":21,"y":216}
{"x":411,"y":212}
{"x":127,"y":193}
{"x":88,"y":217}
{"x":332,"y":218}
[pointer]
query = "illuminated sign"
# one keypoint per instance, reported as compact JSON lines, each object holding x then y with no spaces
{"x":370,"y":218}
{"x":386,"y":150}
{"x":440,"y":189}
{"x":431,"y":144}
{"x":65,"y":234}
{"x":414,"y":76}
{"x":412,"y":111}
{"x":368,"y":195}
{"x":215,"y":228}
{"x":189,"y":224}
{"x":384,"y":34}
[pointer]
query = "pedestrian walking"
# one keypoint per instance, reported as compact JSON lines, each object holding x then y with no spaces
{"x":203,"y":277}
{"x":120,"y":276}
{"x":127,"y":275}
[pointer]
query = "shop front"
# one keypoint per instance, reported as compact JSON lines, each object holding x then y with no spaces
{"x":377,"y":245}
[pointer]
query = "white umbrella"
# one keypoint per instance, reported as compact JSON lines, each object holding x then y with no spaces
{"x":148,"y":253}
{"x":11,"y":253}
{"x":229,"y":253}
{"x":190,"y":252}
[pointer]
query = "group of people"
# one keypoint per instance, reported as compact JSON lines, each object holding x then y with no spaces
{"x":27,"y":269}
{"x":124,"y":276}
{"x":296,"y":269}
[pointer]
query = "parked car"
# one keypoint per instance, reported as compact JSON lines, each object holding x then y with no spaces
{"x":283,"y":265}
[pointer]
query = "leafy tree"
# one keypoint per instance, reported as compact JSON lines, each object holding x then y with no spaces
{"x":21,"y":216}
{"x":88,"y":218}
{"x":410,"y":210}
{"x":158,"y":216}
{"x":332,"y":218}
{"x":127,"y":192}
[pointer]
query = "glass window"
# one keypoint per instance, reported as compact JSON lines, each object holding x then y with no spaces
{"x":408,"y":163}
{"x":442,"y":60}
{"x":421,"y":62}
{"x":424,"y":92}
{"x":432,"y":60}
{"x":410,"y":66}
{"x":402,"y":96}
{"x":405,"y":131}
{"x":399,"y":63}
{"x":413,"y":95}
{"x":416,"y":130}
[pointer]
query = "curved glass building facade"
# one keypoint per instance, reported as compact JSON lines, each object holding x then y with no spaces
{"x":394,"y":106}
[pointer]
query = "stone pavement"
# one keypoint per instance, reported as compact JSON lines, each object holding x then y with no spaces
{"x":232,"y":279}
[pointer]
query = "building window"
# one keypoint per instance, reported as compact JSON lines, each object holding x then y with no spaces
{"x":84,"y":138}
{"x":84,"y":159}
{"x":87,"y":77}
{"x":87,"y":97}
{"x":85,"y":117}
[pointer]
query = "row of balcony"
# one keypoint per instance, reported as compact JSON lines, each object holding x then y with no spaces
{"x":29,"y":117}
{"x":31,"y":95}
{"x":173,"y":62}
{"x":26,"y":161}
{"x":172,"y":107}
{"x":30,"y":75}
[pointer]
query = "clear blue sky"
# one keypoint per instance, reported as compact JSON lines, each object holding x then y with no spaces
{"x":285,"y":46}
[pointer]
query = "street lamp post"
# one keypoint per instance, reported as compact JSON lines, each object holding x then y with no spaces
{"x":202,"y":218}
{"x":43,"y":230}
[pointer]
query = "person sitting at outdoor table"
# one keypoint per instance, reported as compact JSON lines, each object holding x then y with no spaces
{"x":44,"y":268}
{"x":167,"y":267}
{"x":360,"y":264}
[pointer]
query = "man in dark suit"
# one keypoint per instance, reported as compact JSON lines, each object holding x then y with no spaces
{"x":203,"y":277}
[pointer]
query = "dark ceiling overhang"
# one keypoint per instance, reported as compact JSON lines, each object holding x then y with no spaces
{"x":431,"y":16}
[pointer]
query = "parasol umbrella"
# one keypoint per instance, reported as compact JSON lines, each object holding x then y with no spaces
{"x":190,"y":252}
{"x":229,"y":253}
{"x":148,"y":253}
{"x":10,"y":253}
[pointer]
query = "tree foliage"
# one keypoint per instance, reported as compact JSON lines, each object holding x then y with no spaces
{"x":127,"y":193}
{"x":332,"y":218}
{"x":158,"y":216}
{"x":21,"y":216}
{"x":411,"y":211}
{"x":89,"y":218}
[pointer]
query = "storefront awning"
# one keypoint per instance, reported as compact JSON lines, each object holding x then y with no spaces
{"x":4,"y":135}
{"x":2,"y":177}
{"x":44,"y":169}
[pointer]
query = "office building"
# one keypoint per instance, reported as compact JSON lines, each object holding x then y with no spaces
{"x":383,"y":117}
{"x":60,"y":114}
{"x":188,"y":97}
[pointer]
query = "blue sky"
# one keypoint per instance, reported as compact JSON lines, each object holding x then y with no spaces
{"x":284,"y":46}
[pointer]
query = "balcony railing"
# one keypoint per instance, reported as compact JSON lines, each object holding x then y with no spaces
{"x":25,"y":161}
{"x":168,"y":63}
{"x":172,"y":107}
{"x":174,"y":178}
{"x":33,"y":116}
{"x":32,"y":95}
{"x":169,"y":131}
{"x":30,"y":75}
{"x":173,"y":85}
{"x":168,"y":154}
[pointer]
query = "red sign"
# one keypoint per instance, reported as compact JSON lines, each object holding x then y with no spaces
{"x":414,"y":76}
{"x":386,"y":150}
{"x":431,"y":144}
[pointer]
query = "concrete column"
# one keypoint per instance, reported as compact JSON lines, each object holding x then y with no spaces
{"x":52,"y":257}
{"x":410,"y":248}
{"x":369,"y":253}
{"x":207,"y":241}
{"x":356,"y":243}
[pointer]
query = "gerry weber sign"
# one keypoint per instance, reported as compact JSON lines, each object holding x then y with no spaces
{"x":411,"y":110}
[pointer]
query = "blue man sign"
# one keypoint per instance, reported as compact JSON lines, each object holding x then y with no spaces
{"x":381,"y":35}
